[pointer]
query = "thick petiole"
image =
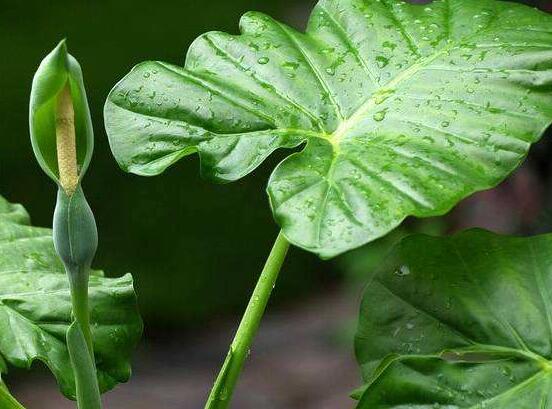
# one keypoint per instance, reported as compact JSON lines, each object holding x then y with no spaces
{"x":79,"y":298}
{"x":222,"y":391}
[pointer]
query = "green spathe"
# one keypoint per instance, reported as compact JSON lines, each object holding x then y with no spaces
{"x":402,"y":109}
{"x":56,"y":70}
{"x":459,"y":322}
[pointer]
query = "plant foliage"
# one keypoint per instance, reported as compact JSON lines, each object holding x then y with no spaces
{"x":35,"y":307}
{"x":459,"y":322}
{"x":403,"y":110}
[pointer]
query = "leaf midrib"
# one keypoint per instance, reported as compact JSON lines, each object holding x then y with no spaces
{"x":336,"y":137}
{"x":544,"y":371}
{"x":389,"y":88}
{"x":420,"y":64}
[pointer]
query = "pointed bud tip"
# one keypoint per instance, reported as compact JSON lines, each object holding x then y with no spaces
{"x":59,"y":53}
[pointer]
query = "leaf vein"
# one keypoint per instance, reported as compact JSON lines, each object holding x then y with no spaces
{"x":264,"y":84}
{"x":421,"y":201}
{"x":468,"y":340}
{"x":345,"y":36}
{"x":402,"y":29}
{"x":198,"y":80}
{"x":313,"y":68}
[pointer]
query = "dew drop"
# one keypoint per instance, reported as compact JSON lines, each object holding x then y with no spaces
{"x":290,"y":65}
{"x":380,"y":116}
{"x":403,"y":271}
{"x":382,"y":61}
{"x":389,"y":44}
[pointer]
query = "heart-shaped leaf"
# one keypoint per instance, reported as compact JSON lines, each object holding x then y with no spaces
{"x":35,"y":307}
{"x":459,"y":322}
{"x":406,"y":109}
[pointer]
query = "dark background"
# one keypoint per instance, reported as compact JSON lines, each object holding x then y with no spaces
{"x":194,"y":248}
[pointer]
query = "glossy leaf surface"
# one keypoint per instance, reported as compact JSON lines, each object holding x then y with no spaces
{"x":35,"y":307}
{"x":405,"y":110}
{"x":459,"y":322}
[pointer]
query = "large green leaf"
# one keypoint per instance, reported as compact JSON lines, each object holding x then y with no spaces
{"x":459,"y":322}
{"x":35,"y":307}
{"x":406,"y":109}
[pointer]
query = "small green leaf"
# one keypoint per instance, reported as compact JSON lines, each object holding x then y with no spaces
{"x":57,"y":70}
{"x":403,"y":109}
{"x":35,"y":307}
{"x":459,"y":322}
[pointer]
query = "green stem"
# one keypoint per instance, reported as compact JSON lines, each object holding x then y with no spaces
{"x":7,"y":401}
{"x":80,"y":342}
{"x":84,"y":369}
{"x":79,"y":299}
{"x":222,"y":391}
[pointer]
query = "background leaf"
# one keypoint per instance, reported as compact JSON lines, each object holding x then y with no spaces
{"x":35,"y":306}
{"x":459,"y":322}
{"x":406,"y":109}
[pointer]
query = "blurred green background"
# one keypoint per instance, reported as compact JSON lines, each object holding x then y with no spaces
{"x":194,"y":248}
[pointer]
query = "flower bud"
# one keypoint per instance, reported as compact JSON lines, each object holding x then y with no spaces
{"x":63,"y":140}
{"x":59,"y":118}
